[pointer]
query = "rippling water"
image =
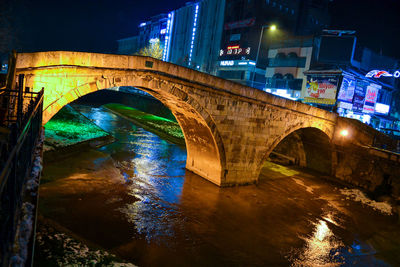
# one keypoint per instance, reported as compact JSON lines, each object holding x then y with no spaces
{"x":135,"y":198}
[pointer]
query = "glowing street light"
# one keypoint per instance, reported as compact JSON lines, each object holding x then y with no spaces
{"x":272,"y":28}
{"x":344,"y":132}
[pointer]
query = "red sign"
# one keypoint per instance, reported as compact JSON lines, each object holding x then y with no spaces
{"x":233,"y":47}
{"x":240,"y":24}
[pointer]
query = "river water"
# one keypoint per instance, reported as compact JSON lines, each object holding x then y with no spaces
{"x":135,"y":199}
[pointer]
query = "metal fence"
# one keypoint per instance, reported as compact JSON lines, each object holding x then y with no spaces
{"x":21,"y":122}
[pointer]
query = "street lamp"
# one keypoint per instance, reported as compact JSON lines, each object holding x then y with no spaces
{"x":272,"y":28}
{"x":344,"y":132}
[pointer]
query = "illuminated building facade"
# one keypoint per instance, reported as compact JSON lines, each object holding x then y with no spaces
{"x":196,"y":35}
{"x":154,"y":28}
{"x":244,"y":40}
{"x":357,"y":83}
{"x":189,"y":36}
{"x":287,"y":61}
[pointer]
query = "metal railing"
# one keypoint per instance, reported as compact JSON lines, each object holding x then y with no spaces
{"x":19,"y":132}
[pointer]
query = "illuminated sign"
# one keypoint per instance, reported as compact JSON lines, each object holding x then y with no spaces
{"x":382,"y":108}
{"x":196,"y":12}
{"x":142,"y":24}
{"x":240,"y":24}
{"x":346,"y":91}
{"x":345,"y":105}
{"x":234,"y":50}
{"x":370,"y":98}
{"x":321,"y":90}
{"x":227,"y":63}
{"x":167,"y":41}
{"x":382,"y":73}
{"x":233,"y":47}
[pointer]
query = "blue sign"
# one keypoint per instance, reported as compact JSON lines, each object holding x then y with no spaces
{"x":359,"y":96}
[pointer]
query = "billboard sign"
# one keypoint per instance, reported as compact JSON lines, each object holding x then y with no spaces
{"x":347,"y":88}
{"x":359,"y":95}
{"x":370,"y":98}
{"x":321,"y":89}
{"x":382,"y":73}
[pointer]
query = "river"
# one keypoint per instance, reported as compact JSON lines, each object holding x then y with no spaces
{"x":135,"y":199}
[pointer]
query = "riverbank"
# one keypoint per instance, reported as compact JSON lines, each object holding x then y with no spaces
{"x":57,"y":246}
{"x":70,"y":132}
{"x":165,"y":128}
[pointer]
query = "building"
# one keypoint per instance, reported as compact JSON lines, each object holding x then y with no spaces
{"x":189,"y":36}
{"x":287,"y":61}
{"x":195,"y":35}
{"x":128,"y":46}
{"x":153,"y":29}
{"x":248,"y":33}
{"x":351,"y":80}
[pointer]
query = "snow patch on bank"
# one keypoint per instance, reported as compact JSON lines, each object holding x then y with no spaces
{"x":359,"y":196}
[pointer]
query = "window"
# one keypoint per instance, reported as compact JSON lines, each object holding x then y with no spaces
{"x":288,"y":76}
{"x":234,"y":75}
{"x":280,"y":55}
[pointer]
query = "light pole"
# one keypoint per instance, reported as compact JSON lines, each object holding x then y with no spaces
{"x":272,"y":28}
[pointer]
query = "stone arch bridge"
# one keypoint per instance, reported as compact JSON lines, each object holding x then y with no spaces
{"x":229,"y":129}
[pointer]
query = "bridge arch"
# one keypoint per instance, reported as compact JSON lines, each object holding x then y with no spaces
{"x":205,"y":149}
{"x":306,"y":145}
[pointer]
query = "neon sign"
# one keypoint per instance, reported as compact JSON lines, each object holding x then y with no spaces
{"x":382,"y":73}
{"x":234,"y":50}
{"x":227,"y":63}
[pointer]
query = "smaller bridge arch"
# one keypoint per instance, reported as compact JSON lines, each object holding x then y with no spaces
{"x":309,"y":145}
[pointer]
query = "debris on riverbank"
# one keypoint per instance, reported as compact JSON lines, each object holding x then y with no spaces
{"x":165,"y":128}
{"x":359,"y":196}
{"x":54,"y":248}
{"x":69,"y":127}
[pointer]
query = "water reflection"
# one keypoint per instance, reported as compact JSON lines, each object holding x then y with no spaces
{"x":159,"y":214}
{"x":321,"y":248}
{"x":154,"y":173}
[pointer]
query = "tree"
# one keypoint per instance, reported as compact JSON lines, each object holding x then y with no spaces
{"x":153,"y":49}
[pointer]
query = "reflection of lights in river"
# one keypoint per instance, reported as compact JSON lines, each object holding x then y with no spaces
{"x":322,"y":247}
{"x":157,"y":182}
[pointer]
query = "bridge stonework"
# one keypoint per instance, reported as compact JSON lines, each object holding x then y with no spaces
{"x":229,"y":129}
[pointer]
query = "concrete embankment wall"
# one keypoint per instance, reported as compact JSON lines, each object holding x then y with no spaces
{"x":378,"y":173}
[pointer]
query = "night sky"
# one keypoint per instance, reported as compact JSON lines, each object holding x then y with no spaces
{"x":95,"y":25}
